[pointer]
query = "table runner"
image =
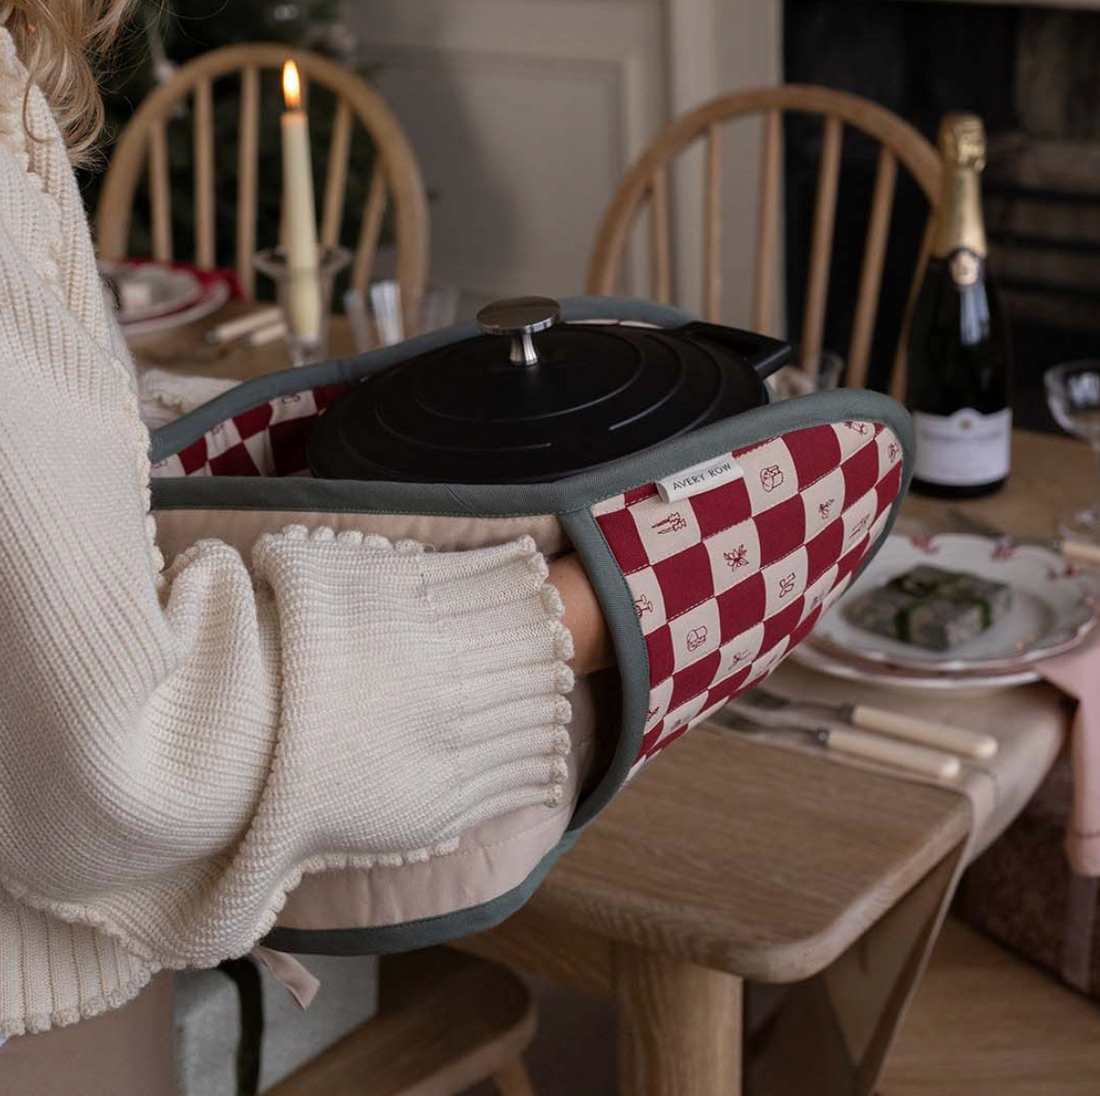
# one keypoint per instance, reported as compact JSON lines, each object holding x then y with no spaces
{"x":1030,"y":723}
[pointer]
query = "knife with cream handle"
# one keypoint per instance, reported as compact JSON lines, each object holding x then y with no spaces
{"x":1074,"y":549}
{"x":841,"y":740}
{"x":924,"y":732}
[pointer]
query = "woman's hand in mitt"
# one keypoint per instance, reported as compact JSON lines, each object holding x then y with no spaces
{"x":583,"y":617}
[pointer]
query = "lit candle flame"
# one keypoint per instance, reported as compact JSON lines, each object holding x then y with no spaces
{"x":292,"y":86}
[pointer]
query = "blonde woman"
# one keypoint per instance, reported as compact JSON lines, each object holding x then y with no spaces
{"x":170,"y":738}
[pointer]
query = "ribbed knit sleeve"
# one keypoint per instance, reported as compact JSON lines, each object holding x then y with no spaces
{"x":178,"y":747}
{"x":168,"y":774}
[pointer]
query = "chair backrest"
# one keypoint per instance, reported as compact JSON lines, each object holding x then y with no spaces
{"x":648,"y":184}
{"x":143,"y":147}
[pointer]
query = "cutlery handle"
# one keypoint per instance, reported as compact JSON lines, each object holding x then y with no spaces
{"x":887,"y":751}
{"x":264,"y":335}
{"x":1081,"y":551}
{"x":926,"y":732}
{"x":243,"y":325}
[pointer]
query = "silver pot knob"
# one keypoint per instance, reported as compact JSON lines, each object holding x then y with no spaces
{"x":520,"y":318}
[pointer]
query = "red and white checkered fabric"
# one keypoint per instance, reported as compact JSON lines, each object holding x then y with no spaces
{"x":724,"y":583}
{"x":727,"y":582}
{"x":266,"y":440}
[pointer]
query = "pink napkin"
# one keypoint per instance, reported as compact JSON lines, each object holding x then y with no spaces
{"x":1077,"y":674}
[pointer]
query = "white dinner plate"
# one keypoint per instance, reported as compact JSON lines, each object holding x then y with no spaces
{"x":1053,"y":608}
{"x":215,"y":295}
{"x":815,"y":658}
{"x":162,"y":288}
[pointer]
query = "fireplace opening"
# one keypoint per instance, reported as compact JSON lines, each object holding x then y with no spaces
{"x":1033,"y":74}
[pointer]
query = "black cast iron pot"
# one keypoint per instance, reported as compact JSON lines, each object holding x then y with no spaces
{"x":533,"y":399}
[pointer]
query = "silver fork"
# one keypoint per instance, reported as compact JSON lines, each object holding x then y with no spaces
{"x":842,"y":740}
{"x":923,"y":732}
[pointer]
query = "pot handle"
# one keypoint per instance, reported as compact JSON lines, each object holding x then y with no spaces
{"x":762,"y":354}
{"x":519,"y":318}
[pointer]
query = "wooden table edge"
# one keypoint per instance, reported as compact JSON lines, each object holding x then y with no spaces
{"x":583,"y":908}
{"x":784,"y":963}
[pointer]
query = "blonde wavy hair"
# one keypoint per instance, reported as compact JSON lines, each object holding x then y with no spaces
{"x":58,"y":40}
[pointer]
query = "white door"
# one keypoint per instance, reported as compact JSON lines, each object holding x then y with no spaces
{"x":525,"y":114}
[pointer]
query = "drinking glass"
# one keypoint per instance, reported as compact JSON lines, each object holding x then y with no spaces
{"x":1073,"y":395}
{"x":821,"y":375}
{"x":393,"y":317}
{"x":436,"y":308}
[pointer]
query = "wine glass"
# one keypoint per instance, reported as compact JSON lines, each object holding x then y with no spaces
{"x":821,"y":375}
{"x":394,"y":318}
{"x":311,"y":286}
{"x":1073,"y":395}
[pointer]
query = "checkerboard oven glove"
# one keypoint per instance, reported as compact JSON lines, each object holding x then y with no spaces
{"x":177,"y":749}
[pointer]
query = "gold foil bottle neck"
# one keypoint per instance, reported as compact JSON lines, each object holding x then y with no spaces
{"x":959,"y":219}
{"x":962,"y":141}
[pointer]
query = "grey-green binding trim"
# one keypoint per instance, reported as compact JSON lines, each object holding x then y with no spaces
{"x":424,"y":933}
{"x":631,"y":657}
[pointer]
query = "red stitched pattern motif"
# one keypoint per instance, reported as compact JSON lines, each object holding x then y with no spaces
{"x":727,"y":582}
{"x":268,"y":440}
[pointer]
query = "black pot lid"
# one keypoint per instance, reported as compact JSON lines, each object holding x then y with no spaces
{"x":533,"y":399}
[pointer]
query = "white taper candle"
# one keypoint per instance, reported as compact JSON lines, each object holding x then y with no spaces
{"x":303,"y":283}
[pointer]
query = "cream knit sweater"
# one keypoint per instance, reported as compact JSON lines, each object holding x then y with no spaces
{"x":177,"y":749}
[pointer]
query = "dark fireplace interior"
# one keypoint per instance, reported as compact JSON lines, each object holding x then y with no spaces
{"x":1033,"y":74}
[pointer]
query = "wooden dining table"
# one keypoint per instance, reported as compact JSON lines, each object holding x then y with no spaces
{"x":760,"y":914}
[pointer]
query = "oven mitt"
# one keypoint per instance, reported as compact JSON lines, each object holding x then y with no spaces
{"x":713,"y":573}
{"x":712,"y":554}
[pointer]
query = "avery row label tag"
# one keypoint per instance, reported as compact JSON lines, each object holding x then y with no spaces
{"x":699,"y":478}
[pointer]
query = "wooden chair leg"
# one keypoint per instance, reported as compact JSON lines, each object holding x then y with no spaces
{"x":514,"y":1080}
{"x":679,"y":1027}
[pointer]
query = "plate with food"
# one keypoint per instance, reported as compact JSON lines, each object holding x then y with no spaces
{"x":821,"y":659}
{"x":146,"y":291}
{"x":956,"y":603}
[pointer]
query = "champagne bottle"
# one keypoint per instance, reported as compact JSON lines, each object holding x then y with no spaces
{"x":959,"y":361}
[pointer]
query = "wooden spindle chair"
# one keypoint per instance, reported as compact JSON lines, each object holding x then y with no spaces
{"x":647,"y":184}
{"x":143,"y":147}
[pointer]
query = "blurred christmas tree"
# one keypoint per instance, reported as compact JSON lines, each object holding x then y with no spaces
{"x":164,"y":36}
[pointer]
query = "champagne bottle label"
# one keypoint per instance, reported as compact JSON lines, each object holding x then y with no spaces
{"x":966,"y":449}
